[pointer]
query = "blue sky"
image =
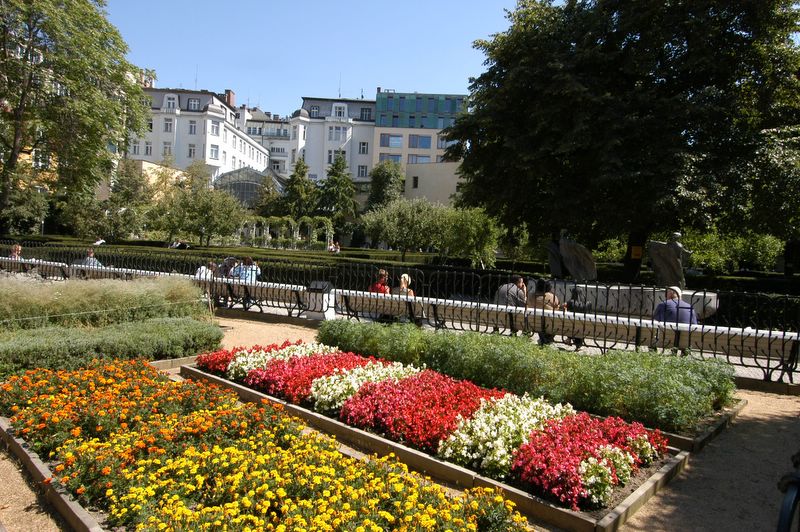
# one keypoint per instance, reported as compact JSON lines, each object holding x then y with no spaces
{"x":271,"y":53}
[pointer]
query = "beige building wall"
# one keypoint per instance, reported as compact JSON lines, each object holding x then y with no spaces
{"x":436,"y":182}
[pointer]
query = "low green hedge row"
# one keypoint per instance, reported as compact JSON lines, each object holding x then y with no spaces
{"x":27,"y":305}
{"x":672,"y":393}
{"x":70,"y":348}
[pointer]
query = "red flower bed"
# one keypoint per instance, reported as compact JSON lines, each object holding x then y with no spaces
{"x":419,"y":410}
{"x":551,"y":459}
{"x":216,"y":362}
{"x":291,"y":379}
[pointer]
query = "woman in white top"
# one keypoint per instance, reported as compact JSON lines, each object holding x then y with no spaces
{"x":403,"y":289}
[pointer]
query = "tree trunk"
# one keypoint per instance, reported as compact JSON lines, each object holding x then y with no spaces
{"x":632,"y":264}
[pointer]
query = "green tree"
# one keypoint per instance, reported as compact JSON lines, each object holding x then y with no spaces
{"x":128,"y":203}
{"x":66,"y":89}
{"x":337,"y":196}
{"x":613,"y":117}
{"x":28,"y":204}
{"x":386,"y":184}
{"x":406,"y":224}
{"x":211,"y":213}
{"x":300,"y":196}
{"x":471,"y":234}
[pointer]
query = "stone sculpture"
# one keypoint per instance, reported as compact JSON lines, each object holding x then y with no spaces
{"x":667,"y":260}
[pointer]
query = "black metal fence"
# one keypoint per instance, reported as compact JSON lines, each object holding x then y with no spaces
{"x":750,"y":330}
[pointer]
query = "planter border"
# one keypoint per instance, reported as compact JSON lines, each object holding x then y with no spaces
{"x":73,"y":513}
{"x":696,"y":443}
{"x":528,"y":504}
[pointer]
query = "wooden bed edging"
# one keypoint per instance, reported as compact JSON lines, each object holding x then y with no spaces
{"x":73,"y":513}
{"x":694,"y":444}
{"x":527,"y":504}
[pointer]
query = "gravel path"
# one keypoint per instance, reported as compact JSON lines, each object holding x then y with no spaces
{"x":730,"y":485}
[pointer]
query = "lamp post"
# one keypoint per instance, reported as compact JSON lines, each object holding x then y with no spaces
{"x":40,"y":190}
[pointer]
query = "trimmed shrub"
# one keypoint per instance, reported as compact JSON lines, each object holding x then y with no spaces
{"x":662,"y":391}
{"x":69,"y":348}
{"x":27,"y":305}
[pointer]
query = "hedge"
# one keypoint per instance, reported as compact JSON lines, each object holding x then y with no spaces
{"x":669,"y":392}
{"x":28,"y":305}
{"x":71,"y":348}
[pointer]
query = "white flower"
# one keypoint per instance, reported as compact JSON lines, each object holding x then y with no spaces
{"x":488,"y":439}
{"x":330,"y":392}
{"x":246,"y":360}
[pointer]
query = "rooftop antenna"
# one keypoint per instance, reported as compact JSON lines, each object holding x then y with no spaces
{"x":362,"y":94}
{"x":195,"y":76}
{"x":340,"y":84}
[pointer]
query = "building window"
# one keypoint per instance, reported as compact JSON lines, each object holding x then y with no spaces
{"x":214,"y":151}
{"x":215,"y":128}
{"x":419,"y":141}
{"x":363,"y":148}
{"x":412,"y":121}
{"x":224,"y":156}
{"x":442,"y":142}
{"x":193,"y":127}
{"x":167,"y":150}
{"x":418,"y":105}
{"x":294,"y":155}
{"x":418,"y":159}
{"x":294,"y":132}
{"x":440,"y":123}
{"x":241,"y":145}
{"x":233,"y":161}
{"x":192,"y":151}
{"x":415,"y":181}
{"x":224,"y":135}
{"x":339,"y":111}
{"x":167,"y":125}
{"x":194,"y":104}
{"x":149,"y":124}
{"x":148,"y":147}
{"x":390,"y":157}
{"x":366,"y":113}
{"x":362,"y":170}
{"x":314,"y":112}
{"x":391,"y":141}
{"x":170,"y":102}
{"x":313,"y":177}
{"x":333,"y":153}
{"x":276,"y":165}
{"x":337,"y":133}
{"x":303,"y":129}
{"x":41,"y":159}
{"x":395,"y":121}
{"x":135,"y":148}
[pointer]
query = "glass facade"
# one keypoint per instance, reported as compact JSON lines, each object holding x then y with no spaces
{"x":402,"y":109}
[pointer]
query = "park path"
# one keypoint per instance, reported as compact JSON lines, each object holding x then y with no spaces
{"x":730,"y":485}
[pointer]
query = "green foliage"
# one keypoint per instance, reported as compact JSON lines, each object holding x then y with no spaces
{"x":471,"y":234}
{"x":386,"y":184}
{"x":70,"y":348}
{"x":26,"y":305}
{"x":337,"y":195}
{"x":719,"y":253}
{"x":66,"y":91}
{"x":300,"y":195}
{"x":610,"y":250}
{"x":663,"y":391}
{"x":28,"y":204}
{"x":628,"y":118}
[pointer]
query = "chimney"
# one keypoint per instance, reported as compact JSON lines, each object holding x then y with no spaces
{"x":230,"y":97}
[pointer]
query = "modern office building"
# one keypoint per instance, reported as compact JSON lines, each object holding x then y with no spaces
{"x":408,"y":126}
{"x":198,"y":125}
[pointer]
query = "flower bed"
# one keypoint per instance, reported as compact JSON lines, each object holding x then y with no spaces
{"x":550,"y":449}
{"x":158,"y":454}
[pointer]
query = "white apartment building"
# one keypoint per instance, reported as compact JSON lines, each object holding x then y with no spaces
{"x":192,"y":125}
{"x":272,"y":132}
{"x":324,"y":127}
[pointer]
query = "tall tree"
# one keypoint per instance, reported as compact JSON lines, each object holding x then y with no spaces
{"x":66,"y":89}
{"x":386,"y":184}
{"x":337,"y":197}
{"x":300,"y":196}
{"x":607,"y":117}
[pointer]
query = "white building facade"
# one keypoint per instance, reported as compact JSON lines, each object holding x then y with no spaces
{"x":190,"y":126}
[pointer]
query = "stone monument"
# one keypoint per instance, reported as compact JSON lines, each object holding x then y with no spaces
{"x":577,"y":259}
{"x":667,"y":260}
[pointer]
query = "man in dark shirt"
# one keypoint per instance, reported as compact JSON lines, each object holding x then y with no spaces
{"x":512,"y":294}
{"x":675,"y":310}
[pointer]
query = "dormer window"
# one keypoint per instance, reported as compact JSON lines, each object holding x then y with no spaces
{"x":194,"y":104}
{"x":339,"y":111}
{"x":314,"y":112}
{"x":171,"y":102}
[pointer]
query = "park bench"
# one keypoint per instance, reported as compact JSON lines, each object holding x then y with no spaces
{"x":47,"y":269}
{"x":357,"y":304}
{"x":81,"y":271}
{"x":259,"y":294}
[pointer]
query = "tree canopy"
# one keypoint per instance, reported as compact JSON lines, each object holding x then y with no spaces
{"x":386,"y":184}
{"x":300,"y":195}
{"x":337,"y":196}
{"x":66,"y":90}
{"x":607,"y":117}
